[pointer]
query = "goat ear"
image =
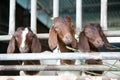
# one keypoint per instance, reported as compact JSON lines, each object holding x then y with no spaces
{"x":11,"y":46}
{"x":36,"y":46}
{"x":104,"y":38}
{"x":52,"y":40}
{"x":83,"y":44}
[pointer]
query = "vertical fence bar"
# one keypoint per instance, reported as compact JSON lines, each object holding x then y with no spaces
{"x":78,"y":15}
{"x":12,"y":17}
{"x":55,"y":8}
{"x":104,"y":14}
{"x":33,"y":15}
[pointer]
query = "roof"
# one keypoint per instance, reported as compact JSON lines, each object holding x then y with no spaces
{"x":90,"y":11}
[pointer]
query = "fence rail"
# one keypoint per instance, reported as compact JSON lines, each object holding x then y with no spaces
{"x":46,"y":35}
{"x":59,"y":67}
{"x":49,"y":55}
{"x":56,"y":78}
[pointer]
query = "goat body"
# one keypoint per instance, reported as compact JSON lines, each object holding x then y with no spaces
{"x":61,"y":34}
{"x":90,"y":40}
{"x":26,"y":42}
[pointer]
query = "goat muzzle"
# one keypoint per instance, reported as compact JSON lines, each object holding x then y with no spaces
{"x":23,"y":49}
{"x":98,"y":42}
{"x":67,"y":39}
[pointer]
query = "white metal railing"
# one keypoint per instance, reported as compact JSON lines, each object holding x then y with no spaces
{"x":48,"y":55}
{"x":12,"y":17}
{"x":33,"y":16}
{"x":57,"y":78}
{"x":103,"y":19}
{"x":46,"y":35}
{"x":58,"y":67}
{"x":55,"y":8}
{"x":78,"y":15}
{"x":55,"y":14}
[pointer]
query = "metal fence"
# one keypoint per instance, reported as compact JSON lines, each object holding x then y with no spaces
{"x":48,"y":55}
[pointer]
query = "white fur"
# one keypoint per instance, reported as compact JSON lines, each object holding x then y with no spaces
{"x":57,"y":50}
{"x":69,"y":73}
{"x":24,"y":33}
{"x":66,"y":73}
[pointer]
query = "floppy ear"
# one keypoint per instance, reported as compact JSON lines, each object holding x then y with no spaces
{"x":11,"y":46}
{"x":83,"y":44}
{"x":104,"y":38}
{"x":52,"y":40}
{"x":36,"y":46}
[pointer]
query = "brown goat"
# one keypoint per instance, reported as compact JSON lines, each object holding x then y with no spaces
{"x":90,"y":39}
{"x":61,"y":34}
{"x":26,"y":42}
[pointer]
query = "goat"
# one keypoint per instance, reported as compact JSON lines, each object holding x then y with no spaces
{"x":90,"y":40}
{"x":26,"y":42}
{"x":61,"y":34}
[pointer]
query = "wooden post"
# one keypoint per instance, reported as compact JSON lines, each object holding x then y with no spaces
{"x":78,"y":15}
{"x":12,"y":17}
{"x":33,"y":15}
{"x":104,"y":14}
{"x":55,"y":8}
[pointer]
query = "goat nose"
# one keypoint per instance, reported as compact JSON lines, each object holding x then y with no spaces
{"x":100,"y":42}
{"x":22,"y":48}
{"x":68,"y":37}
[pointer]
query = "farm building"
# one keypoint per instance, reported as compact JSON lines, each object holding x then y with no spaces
{"x":39,"y":15}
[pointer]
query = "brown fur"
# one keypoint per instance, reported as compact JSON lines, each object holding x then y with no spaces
{"x":62,"y":34}
{"x":90,"y":39}
{"x":32,"y":42}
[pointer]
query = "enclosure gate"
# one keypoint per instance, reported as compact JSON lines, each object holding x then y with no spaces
{"x":45,"y":36}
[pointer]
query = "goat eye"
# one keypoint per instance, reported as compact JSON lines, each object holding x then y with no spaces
{"x":56,"y":28}
{"x":17,"y":36}
{"x":30,"y":35}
